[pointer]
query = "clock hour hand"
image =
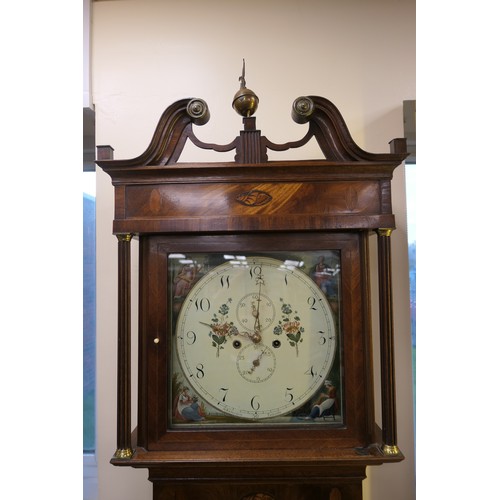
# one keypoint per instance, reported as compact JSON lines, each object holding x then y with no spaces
{"x":216,"y":328}
{"x":222,"y":329}
{"x":256,"y":335}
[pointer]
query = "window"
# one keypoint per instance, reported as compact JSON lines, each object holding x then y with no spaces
{"x":89,"y":308}
{"x":89,"y":316}
{"x":410,"y":171}
{"x":409,"y":119}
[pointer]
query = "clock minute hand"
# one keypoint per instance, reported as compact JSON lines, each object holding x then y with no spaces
{"x":206,"y":324}
{"x":256,"y":335}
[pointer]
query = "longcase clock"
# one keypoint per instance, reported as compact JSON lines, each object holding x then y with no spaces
{"x":255,"y":347}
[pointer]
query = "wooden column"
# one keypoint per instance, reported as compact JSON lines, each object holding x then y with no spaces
{"x":123,"y":432}
{"x":389,"y":425}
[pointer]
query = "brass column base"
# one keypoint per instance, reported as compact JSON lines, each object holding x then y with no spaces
{"x":123,"y":453}
{"x":390,"y":450}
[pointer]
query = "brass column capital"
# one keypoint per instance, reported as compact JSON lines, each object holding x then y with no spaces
{"x":125,"y":237}
{"x":384,"y":231}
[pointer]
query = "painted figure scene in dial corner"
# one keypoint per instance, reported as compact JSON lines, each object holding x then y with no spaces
{"x":255,"y":339}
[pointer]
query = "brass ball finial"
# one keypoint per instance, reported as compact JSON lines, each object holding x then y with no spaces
{"x":245,"y":101}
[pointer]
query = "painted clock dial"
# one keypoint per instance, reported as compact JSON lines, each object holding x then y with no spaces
{"x":255,"y":337}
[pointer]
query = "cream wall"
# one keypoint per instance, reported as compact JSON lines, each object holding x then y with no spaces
{"x":146,"y":54}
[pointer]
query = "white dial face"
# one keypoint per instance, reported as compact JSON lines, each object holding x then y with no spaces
{"x":256,"y":338}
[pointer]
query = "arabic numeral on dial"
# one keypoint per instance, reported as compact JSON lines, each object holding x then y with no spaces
{"x":311,"y":302}
{"x":224,"y":281}
{"x":202,"y":304}
{"x":200,"y":373}
{"x":311,"y":372}
{"x":322,"y":338}
{"x":190,"y":337}
{"x":224,"y":390}
{"x":254,"y":403}
{"x":289,"y":395}
{"x":255,"y":271}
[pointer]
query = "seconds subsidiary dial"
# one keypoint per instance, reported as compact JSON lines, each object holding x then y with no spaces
{"x":256,"y":337}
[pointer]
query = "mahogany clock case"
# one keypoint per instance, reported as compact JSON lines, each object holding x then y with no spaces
{"x":255,"y":207}
{"x":352,"y":429}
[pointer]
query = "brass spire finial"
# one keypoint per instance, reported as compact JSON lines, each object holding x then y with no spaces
{"x":243,"y":83}
{"x":245,"y":101}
